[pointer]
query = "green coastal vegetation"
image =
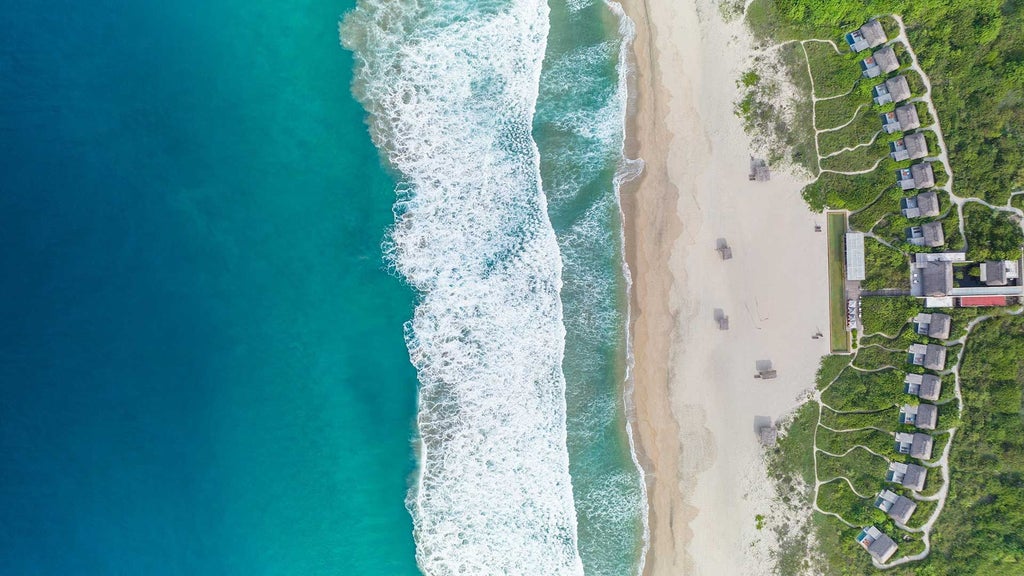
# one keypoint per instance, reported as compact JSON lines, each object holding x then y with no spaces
{"x":837,"y":447}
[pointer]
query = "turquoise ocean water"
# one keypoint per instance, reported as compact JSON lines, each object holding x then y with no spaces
{"x":210,"y":326}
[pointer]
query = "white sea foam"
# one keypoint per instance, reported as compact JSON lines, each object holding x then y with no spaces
{"x":451,"y":88}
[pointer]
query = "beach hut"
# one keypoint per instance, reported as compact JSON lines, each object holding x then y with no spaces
{"x":868,"y":36}
{"x":909,"y":476}
{"x":922,"y":175}
{"x":898,"y":88}
{"x":933,"y":234}
{"x":896,"y":506}
{"x":768,"y":435}
{"x":931,"y":356}
{"x":924,"y":204}
{"x":933,"y":325}
{"x":917,"y":445}
{"x":924,"y":386}
{"x":878,"y":545}
{"x":923,"y":416}
{"x":907,"y":118}
{"x":724,"y":251}
{"x":910,"y":147}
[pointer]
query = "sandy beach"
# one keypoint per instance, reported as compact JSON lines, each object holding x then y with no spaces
{"x":696,"y":399}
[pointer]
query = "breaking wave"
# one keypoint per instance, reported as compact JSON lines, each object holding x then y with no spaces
{"x":450,"y":88}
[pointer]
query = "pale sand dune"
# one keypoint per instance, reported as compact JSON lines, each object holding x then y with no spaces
{"x":696,"y":396}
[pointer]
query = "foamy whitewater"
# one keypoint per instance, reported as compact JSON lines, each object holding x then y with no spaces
{"x":451,"y":87}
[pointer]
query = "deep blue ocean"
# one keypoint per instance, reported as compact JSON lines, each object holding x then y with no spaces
{"x":202,"y":364}
{"x":207,"y":342}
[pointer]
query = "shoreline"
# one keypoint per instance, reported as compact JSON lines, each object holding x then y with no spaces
{"x":696,"y":406}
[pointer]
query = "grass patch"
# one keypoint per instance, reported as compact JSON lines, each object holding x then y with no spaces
{"x":834,"y":74}
{"x":865,"y":470}
{"x":858,"y":159}
{"x":839,"y":442}
{"x":836,"y":496}
{"x":793,"y":456}
{"x":884,"y":419}
{"x":861,"y":131}
{"x":886,"y":267}
{"x":888,"y":315}
{"x":877,"y":357}
{"x":856,"y":390}
{"x":888,"y":202}
{"x":838,"y":336}
{"x":991,"y":234}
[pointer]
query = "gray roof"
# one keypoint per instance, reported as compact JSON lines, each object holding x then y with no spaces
{"x":939,"y":326}
{"x":935,"y":357}
{"x":902,"y":509}
{"x":928,"y":203}
{"x":873,"y":33}
{"x":917,"y":145}
{"x":927,"y":416}
{"x":898,"y":88}
{"x":937,"y":278}
{"x":914,"y":477}
{"x":921,"y":447}
{"x":886,"y":59}
{"x":933,"y":235}
{"x":906,"y":115}
{"x":923,"y":175}
{"x":931,"y":387}
{"x":882,"y":548}
{"x":995,"y":273}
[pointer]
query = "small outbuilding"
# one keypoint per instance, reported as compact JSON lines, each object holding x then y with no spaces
{"x":924,"y":386}
{"x":1000,"y":272}
{"x":897,"y":507}
{"x":878,"y":545}
{"x":868,"y":36}
{"x":923,"y":416}
{"x":909,"y":476}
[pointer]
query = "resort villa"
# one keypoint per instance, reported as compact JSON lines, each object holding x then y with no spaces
{"x":917,"y":445}
{"x":882,"y":61}
{"x":868,"y":36}
{"x":929,"y":234}
{"x":931,"y":356}
{"x":923,"y":205}
{"x":880,"y":546}
{"x":923,"y":416}
{"x":892,"y":90}
{"x":909,"y":476}
{"x":903,"y":118}
{"x":917,"y":176}
{"x":924,"y":386}
{"x":910,"y":147}
{"x":897,"y":507}
{"x":933,"y":325}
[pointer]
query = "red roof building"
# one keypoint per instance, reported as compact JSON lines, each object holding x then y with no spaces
{"x":978,"y":301}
